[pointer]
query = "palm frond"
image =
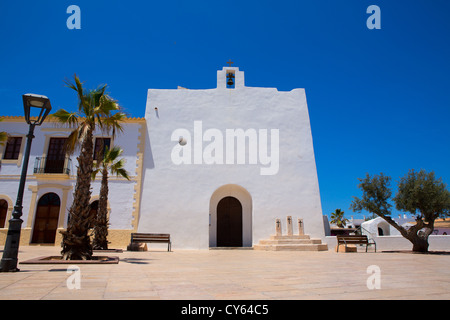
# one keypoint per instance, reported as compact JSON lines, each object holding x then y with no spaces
{"x":65,"y":117}
{"x":95,"y":171}
{"x":112,"y":154}
{"x":3,"y":138}
{"x":83,"y":129}
{"x":112,"y":124}
{"x":116,"y":167}
{"x":97,"y":95}
{"x":72,"y":142}
{"x":122,"y":172}
{"x":107,"y":105}
{"x":77,"y":85}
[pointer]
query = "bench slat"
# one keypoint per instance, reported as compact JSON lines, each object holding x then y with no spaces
{"x":151,"y":234}
{"x":149,"y":238}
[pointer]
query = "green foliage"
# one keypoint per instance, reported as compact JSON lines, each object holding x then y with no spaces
{"x":376,"y":195}
{"x":3,"y":136}
{"x":419,"y":193}
{"x":337,"y":217}
{"x":96,"y":110}
{"x":422,"y":194}
{"x":111,"y":163}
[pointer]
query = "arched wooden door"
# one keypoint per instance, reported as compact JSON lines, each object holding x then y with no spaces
{"x":46,"y":220}
{"x":229,"y":223}
{"x":3,"y":212}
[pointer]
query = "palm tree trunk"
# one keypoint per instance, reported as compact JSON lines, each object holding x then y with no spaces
{"x":100,"y":241}
{"x":76,"y":244}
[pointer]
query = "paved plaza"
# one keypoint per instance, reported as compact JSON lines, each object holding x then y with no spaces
{"x":233,"y":275}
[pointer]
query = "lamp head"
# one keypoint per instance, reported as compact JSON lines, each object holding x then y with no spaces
{"x":36,"y":106}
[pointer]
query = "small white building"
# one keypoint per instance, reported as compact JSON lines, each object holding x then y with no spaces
{"x":213,"y":167}
{"x":379,"y":227}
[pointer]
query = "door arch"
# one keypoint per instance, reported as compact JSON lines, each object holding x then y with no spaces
{"x":243,"y":197}
{"x":46,"y":218}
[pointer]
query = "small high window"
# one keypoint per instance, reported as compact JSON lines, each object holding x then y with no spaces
{"x":230,"y":79}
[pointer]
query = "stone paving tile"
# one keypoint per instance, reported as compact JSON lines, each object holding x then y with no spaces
{"x":233,"y":275}
{"x":133,"y":295}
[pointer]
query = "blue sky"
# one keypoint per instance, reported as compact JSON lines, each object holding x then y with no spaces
{"x":378,"y":99}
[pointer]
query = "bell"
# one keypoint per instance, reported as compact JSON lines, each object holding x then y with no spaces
{"x":230,"y":81}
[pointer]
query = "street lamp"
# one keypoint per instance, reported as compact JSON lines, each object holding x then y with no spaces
{"x":36,"y":108}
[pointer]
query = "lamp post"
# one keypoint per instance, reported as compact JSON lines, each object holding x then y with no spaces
{"x":36,"y":108}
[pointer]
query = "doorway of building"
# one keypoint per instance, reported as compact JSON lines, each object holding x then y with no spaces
{"x":46,"y":220}
{"x":229,"y":223}
{"x":3,"y":212}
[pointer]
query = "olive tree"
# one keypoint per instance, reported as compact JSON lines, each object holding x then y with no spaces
{"x":419,"y":193}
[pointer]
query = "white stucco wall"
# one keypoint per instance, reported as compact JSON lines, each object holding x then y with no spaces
{"x":176,"y":198}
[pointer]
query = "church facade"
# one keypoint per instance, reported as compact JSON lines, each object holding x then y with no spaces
{"x":213,"y":168}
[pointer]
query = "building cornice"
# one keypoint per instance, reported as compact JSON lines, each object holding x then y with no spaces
{"x":49,"y":119}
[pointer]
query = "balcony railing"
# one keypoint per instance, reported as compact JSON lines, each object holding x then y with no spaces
{"x":52,"y":165}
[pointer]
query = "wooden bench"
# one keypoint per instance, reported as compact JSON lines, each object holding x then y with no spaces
{"x":151,"y":237}
{"x":354,"y":239}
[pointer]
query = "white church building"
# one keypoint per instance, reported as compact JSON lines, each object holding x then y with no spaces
{"x":213,"y":168}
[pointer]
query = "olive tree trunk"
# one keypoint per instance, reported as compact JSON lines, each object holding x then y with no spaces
{"x":415,"y":235}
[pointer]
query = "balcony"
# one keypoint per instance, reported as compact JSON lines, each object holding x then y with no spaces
{"x":52,"y":165}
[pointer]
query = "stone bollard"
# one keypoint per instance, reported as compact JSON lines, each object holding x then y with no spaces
{"x":301,"y":231}
{"x":289,"y":226}
{"x":278,"y":227}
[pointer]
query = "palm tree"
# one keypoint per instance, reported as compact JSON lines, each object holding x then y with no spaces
{"x":96,"y":110}
{"x":109,"y":163}
{"x":337,"y":217}
{"x":3,"y":140}
{"x":3,"y":136}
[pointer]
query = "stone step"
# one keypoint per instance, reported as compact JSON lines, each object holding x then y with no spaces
{"x":298,"y":237}
{"x":290,"y":241}
{"x":292,"y":247}
{"x":230,"y":248}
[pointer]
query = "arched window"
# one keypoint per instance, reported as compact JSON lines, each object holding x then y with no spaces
{"x":3,"y":212}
